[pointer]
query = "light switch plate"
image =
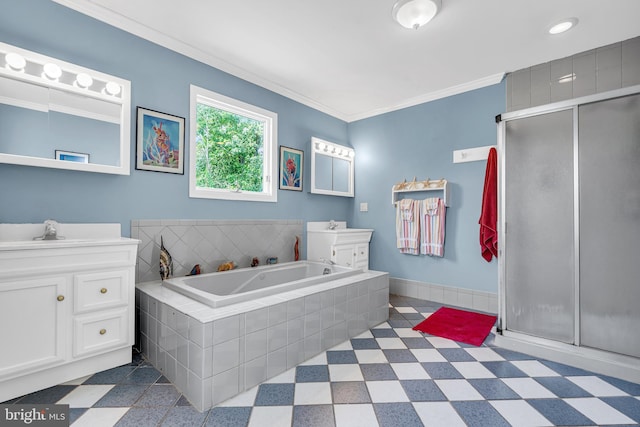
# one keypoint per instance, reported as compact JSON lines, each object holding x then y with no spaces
{"x":364,"y":207}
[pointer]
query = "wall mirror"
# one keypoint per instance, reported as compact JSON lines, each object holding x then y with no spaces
{"x":59,"y":115}
{"x":331,"y":168}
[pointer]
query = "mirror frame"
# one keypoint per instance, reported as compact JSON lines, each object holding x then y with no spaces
{"x":333,"y":150}
{"x":123,"y":99}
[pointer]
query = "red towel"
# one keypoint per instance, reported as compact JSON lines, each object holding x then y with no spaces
{"x":489,"y":215}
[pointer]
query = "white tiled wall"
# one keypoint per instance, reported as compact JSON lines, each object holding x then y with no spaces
{"x":213,"y":360}
{"x":599,"y":70}
{"x":467,"y":298}
{"x":211,"y":243}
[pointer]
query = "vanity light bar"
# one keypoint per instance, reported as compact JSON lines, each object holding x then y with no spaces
{"x":39,"y":69}
{"x":332,"y":149}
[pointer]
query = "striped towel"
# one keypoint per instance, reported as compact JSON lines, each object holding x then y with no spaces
{"x":432,"y":215}
{"x":408,"y":226}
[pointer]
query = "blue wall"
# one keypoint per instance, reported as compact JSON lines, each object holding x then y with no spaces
{"x":419,"y":142}
{"x":160,"y":81}
{"x":416,"y":141}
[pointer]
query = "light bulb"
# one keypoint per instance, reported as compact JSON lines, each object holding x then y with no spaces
{"x":52,"y":71}
{"x":113,"y":88}
{"x":84,"y":80}
{"x":15,"y":61}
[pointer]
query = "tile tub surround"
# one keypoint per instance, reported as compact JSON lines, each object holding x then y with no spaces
{"x":211,"y":243}
{"x":211,"y":355}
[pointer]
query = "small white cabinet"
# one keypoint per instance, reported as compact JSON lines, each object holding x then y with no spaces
{"x":66,"y":310}
{"x":344,"y":246}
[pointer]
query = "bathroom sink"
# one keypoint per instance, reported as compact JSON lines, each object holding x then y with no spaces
{"x":21,"y":236}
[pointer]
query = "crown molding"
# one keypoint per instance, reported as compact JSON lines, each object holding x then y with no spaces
{"x":431,"y":96}
{"x":136,"y":28}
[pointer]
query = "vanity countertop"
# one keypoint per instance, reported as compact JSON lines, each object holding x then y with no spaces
{"x":19,"y":245}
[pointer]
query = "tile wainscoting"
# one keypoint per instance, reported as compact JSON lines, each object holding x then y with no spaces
{"x":466,"y":298}
{"x":211,"y":243}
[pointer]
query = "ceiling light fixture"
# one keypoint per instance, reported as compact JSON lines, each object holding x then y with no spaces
{"x":414,"y":14}
{"x":563,"y":26}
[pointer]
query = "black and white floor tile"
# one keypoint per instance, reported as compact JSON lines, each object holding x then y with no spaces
{"x":388,"y":376}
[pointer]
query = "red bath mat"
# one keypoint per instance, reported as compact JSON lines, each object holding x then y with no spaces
{"x":458,"y":325}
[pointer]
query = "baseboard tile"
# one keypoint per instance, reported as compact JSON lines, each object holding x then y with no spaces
{"x":466,"y":298}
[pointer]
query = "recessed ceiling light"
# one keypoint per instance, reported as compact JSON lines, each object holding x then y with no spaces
{"x":564,"y":25}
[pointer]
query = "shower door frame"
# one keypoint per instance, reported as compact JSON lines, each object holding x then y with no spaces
{"x":588,"y":358}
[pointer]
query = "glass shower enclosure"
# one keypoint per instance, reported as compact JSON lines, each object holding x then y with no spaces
{"x":570,"y":225}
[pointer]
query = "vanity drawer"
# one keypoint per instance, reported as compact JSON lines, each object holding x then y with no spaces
{"x":100,"y":290}
{"x":101,"y":331}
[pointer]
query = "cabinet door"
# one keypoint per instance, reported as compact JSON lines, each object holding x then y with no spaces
{"x":33,"y":314}
{"x":343,"y":255}
{"x":362,"y":256}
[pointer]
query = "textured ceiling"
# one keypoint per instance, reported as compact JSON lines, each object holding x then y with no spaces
{"x":351,"y":60}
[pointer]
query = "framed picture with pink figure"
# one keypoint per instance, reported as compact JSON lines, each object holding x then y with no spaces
{"x":159,"y":142}
{"x":291,"y":164}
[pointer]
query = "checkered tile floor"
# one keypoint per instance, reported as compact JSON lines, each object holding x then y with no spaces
{"x":388,"y":376}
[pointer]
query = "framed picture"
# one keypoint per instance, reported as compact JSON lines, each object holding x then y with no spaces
{"x":291,"y":163}
{"x":70,"y":156}
{"x":159,"y":142}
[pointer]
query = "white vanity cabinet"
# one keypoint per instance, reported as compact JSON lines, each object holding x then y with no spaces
{"x":344,"y":246}
{"x":66,"y":310}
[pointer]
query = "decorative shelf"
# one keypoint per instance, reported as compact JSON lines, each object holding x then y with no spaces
{"x":421,"y":186}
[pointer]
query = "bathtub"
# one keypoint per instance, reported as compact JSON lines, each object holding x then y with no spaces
{"x":230,"y":287}
{"x":219,"y":334}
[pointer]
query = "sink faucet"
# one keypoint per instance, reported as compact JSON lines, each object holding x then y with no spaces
{"x":50,"y":231}
{"x":333,"y":225}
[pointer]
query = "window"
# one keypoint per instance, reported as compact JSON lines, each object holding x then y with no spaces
{"x":232,"y":152}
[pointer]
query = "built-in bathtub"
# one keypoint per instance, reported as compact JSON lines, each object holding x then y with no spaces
{"x":246,"y":284}
{"x":216,"y":335}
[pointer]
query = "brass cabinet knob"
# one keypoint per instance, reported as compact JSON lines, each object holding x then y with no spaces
{"x":103,"y":331}
{"x":103,"y":290}
{"x":60,"y":297}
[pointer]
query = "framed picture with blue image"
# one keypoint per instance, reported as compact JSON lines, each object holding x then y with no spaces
{"x":159,"y":142}
{"x":291,"y":164}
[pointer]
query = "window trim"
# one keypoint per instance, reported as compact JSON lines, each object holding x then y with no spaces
{"x":270,"y":147}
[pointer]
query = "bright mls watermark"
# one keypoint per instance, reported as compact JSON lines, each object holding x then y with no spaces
{"x":34,"y":415}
